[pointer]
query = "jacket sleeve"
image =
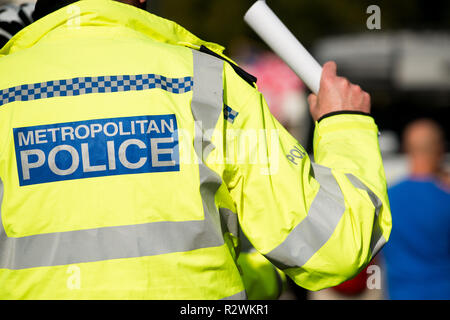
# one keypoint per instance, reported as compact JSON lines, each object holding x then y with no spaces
{"x":262,"y":281}
{"x":320,"y":222}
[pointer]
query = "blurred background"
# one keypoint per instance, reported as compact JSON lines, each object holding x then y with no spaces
{"x":404,"y":64}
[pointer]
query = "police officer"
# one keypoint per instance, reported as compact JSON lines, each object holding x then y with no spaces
{"x":131,"y":152}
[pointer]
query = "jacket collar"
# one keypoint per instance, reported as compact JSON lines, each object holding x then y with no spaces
{"x":106,"y":13}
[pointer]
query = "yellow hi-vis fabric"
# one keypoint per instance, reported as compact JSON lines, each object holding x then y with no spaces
{"x":129,"y":160}
{"x":262,"y":280}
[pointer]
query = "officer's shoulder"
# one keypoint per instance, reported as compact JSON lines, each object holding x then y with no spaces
{"x":247,"y":77}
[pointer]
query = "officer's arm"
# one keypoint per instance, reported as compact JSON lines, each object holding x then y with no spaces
{"x":322,"y":222}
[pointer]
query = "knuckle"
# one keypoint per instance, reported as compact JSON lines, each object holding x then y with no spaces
{"x":366,"y":100}
{"x":327,"y":78}
{"x":330,"y":64}
{"x":343,"y":81}
{"x":326,"y":83}
{"x":356,"y":88}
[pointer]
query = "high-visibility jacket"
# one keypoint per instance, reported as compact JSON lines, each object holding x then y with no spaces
{"x":262,"y":280}
{"x":131,"y":152}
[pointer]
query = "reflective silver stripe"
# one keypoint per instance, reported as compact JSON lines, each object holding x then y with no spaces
{"x":207,"y":105}
{"x":107,"y":243}
{"x":229,"y":221}
{"x":373,"y":197}
{"x":238,"y":296}
{"x":146,"y":239}
{"x":324,"y":214}
{"x":314,"y":231}
{"x":377,"y":240}
{"x":206,"y":108}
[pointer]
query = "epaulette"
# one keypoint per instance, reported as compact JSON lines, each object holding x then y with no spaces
{"x":250,"y":79}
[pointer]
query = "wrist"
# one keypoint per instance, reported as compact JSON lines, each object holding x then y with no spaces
{"x":334,"y":113}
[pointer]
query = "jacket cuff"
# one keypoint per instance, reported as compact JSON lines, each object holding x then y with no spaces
{"x":345,"y":127}
{"x":334,"y":113}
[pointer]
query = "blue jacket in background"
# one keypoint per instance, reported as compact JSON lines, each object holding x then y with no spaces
{"x":418,"y":252}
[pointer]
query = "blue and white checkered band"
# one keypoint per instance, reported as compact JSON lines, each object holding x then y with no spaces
{"x":87,"y":85}
{"x":229,"y":114}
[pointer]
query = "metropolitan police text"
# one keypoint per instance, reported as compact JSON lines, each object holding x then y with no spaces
{"x":96,"y":147}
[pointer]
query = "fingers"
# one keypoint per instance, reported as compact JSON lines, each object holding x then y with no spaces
{"x":312,"y":100}
{"x":356,"y":96}
{"x":329,"y":70}
{"x":337,"y":94}
{"x":366,"y":105}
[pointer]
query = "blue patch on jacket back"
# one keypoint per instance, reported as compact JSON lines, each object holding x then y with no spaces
{"x":96,"y":148}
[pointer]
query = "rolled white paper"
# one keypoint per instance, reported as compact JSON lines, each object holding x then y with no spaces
{"x":278,"y":37}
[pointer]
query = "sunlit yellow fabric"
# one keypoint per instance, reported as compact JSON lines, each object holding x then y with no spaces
{"x":270,"y":195}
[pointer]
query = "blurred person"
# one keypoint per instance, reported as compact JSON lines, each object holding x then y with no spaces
{"x":14,"y":16}
{"x":418,"y":255}
{"x":117,"y":183}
